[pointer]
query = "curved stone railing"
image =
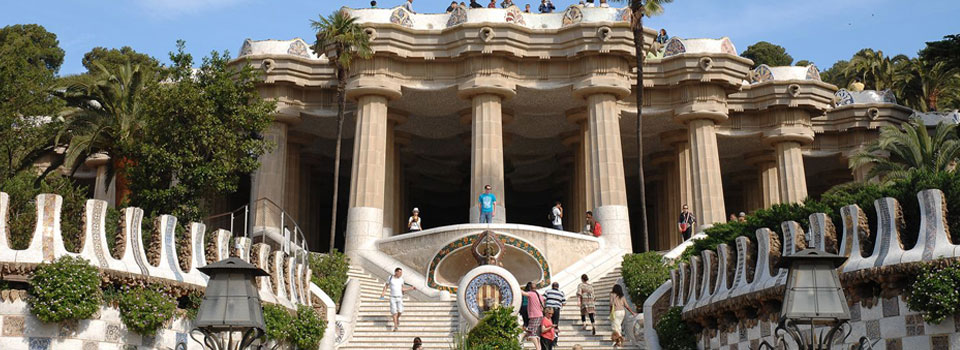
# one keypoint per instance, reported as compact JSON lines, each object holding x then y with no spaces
{"x":461,"y":15}
{"x":741,"y":284}
{"x":159,"y":262}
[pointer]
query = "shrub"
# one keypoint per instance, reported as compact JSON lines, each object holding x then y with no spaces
{"x":674,"y":334}
{"x":279,"y":322}
{"x":146,"y":309}
{"x":498,"y":330}
{"x":190,"y":303}
{"x":643,"y":273}
{"x":770,"y":218}
{"x":330,"y":273}
{"x":23,"y":190}
{"x":67,"y":289}
{"x":308,"y":328}
{"x":935,"y":294}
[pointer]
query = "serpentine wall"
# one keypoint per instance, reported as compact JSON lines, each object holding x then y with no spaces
{"x":733,"y":294}
{"x":161,"y":261}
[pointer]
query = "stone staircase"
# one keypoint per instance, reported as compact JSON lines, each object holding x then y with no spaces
{"x":571,"y":333}
{"x":436,"y":322}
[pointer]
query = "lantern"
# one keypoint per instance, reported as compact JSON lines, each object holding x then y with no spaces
{"x":231,"y":306}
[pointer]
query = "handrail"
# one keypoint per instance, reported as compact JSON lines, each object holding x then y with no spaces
{"x":290,"y":238}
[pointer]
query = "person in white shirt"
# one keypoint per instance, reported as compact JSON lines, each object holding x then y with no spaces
{"x":556,"y":216}
{"x":397,"y":287}
{"x":413,"y":223}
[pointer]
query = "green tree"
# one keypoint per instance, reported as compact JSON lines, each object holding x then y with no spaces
{"x":641,"y":8}
{"x":802,"y":63}
{"x":113,"y":59}
{"x":30,"y":57}
{"x":897,"y":152}
{"x":343,"y":40}
{"x":836,"y":74}
{"x":878,"y":71}
{"x":946,"y":50}
{"x":201,"y":135}
{"x":769,"y":54}
{"x":921,"y":84}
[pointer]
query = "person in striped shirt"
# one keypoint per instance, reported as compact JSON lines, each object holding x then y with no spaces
{"x":555,"y":300}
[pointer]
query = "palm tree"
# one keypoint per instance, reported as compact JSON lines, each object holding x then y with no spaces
{"x":922,"y":84}
{"x":343,"y":40}
{"x":877,"y":70}
{"x":104,"y":117}
{"x":642,"y":8}
{"x":897,"y":152}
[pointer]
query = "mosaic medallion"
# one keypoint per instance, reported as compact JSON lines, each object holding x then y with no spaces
{"x":487,"y":288}
{"x":761,"y":74}
{"x":340,"y":333}
{"x":624,"y":15}
{"x":843,"y":97}
{"x":467,"y":241}
{"x":887,"y":96}
{"x":514,"y":15}
{"x":573,"y":15}
{"x":674,"y":47}
{"x":727,"y":47}
{"x":813,"y":73}
{"x":457,"y":17}
{"x":246,"y":49}
{"x":401,"y":17}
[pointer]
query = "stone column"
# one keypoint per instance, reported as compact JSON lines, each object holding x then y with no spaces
{"x":668,"y":237}
{"x":486,"y":143}
{"x":606,"y":162}
{"x":587,"y":151}
{"x":793,"y":178}
{"x":705,"y":166}
{"x":390,"y":210}
{"x":682,"y":189}
{"x":268,"y":180}
{"x":292,"y":188}
{"x":768,"y":177}
{"x":103,"y":190}
{"x":574,"y":209}
{"x":365,"y":216}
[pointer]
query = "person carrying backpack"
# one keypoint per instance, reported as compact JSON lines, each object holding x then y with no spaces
{"x":556,"y":216}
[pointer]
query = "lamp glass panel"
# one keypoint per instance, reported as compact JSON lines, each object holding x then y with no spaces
{"x":824,"y":277}
{"x":804,"y":301}
{"x":828,"y":302}
{"x":803,"y":276}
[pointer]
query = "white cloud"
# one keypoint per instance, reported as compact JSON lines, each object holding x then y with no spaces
{"x":176,"y":8}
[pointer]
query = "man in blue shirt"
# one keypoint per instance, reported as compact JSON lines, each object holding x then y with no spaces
{"x":488,"y":205}
{"x":546,"y":6}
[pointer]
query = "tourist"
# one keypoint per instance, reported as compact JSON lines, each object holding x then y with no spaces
{"x":856,"y":85}
{"x":546,"y":6}
{"x":555,"y":299}
{"x":686,"y":222}
{"x":397,"y":287}
{"x":594,"y":225}
{"x":373,"y":4}
{"x":582,"y":4}
{"x":742,"y":217}
{"x":487,"y":204}
{"x":660,"y":40}
{"x":548,"y":329}
{"x":526,"y":8}
{"x":590,"y":3}
{"x":409,"y":6}
{"x":732,"y":218}
{"x":492,"y":4}
{"x":588,"y":305}
{"x":463,"y":4}
{"x":523,"y":305}
{"x":414,"y":224}
{"x":475,"y":5}
{"x":506,"y":3}
{"x":453,"y":6}
{"x":535,"y":313}
{"x":618,"y":308}
{"x":603,"y":3}
{"x":417,"y":343}
{"x":556,"y":216}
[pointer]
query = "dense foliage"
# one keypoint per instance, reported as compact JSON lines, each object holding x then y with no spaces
{"x":674,"y":334}
{"x":935,"y":293}
{"x":497,"y":330}
{"x":278,"y":321}
{"x":67,"y":289}
{"x":302,"y":329}
{"x":330,"y":273}
{"x":22,"y":215}
{"x":145,"y":309}
{"x":115,"y":58}
{"x":769,"y":54}
{"x":643,"y":273}
{"x":201,"y":134}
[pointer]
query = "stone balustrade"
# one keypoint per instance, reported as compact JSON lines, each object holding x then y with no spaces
{"x":162,"y":260}
{"x":732,"y":289}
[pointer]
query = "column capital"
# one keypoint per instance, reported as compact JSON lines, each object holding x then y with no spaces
{"x":760,"y":157}
{"x":487,"y":85}
{"x":789,"y":133}
{"x":363,"y":86}
{"x":577,"y":115}
{"x":601,"y":85}
{"x":397,"y":116}
{"x":97,"y":159}
{"x":675,"y":137}
{"x":571,"y":138}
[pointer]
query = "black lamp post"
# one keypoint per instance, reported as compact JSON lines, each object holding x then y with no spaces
{"x":814,"y":298}
{"x":231,"y":306}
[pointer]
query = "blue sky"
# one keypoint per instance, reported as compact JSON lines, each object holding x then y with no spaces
{"x":822,"y":31}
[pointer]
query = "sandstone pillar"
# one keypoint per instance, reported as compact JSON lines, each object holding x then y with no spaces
{"x":606,"y":161}
{"x":102,"y":189}
{"x":682,"y":187}
{"x":365,"y":216}
{"x":793,"y":178}
{"x":486,"y":143}
{"x":668,"y":199}
{"x":390,"y":210}
{"x":705,"y":166}
{"x":292,"y":188}
{"x":268,"y":180}
{"x":768,"y":178}
{"x":573,"y":210}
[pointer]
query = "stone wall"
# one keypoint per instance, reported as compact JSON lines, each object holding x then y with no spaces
{"x":160,"y":262}
{"x":734,"y":296}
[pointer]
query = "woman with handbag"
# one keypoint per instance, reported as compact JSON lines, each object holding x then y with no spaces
{"x":686,"y":222}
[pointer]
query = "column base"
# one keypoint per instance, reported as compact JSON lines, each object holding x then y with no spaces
{"x":615,"y":224}
{"x":364,"y":228}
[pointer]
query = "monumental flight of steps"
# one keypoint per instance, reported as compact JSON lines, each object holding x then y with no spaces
{"x":435,"y":322}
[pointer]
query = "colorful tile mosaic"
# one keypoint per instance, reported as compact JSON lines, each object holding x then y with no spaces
{"x":573,"y":15}
{"x":457,"y":17}
{"x":487,"y":279}
{"x":39,"y":343}
{"x":299,"y":48}
{"x":400,"y":16}
{"x":246,"y":49}
{"x":813,"y":73}
{"x":761,"y":74}
{"x":467,"y":241}
{"x":514,"y":15}
{"x":624,"y":15}
{"x":727,"y":47}
{"x":843,"y":97}
{"x":674,"y":47}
